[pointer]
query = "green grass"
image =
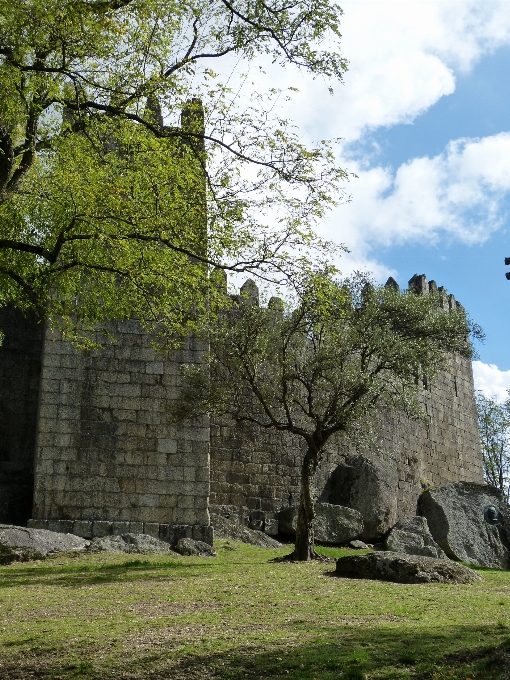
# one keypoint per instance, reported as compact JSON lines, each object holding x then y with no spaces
{"x":243,"y":615}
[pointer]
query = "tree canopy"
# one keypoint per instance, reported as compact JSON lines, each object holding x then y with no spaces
{"x":116,"y":135}
{"x":321,"y":365}
{"x":494,"y":425}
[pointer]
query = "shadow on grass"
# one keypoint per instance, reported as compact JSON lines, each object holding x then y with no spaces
{"x":347,"y":654}
{"x":89,"y":574}
{"x":340,"y":653}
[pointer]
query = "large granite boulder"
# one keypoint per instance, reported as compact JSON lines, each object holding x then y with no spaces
{"x":224,"y":528}
{"x":332,"y":524}
{"x":142,"y":544}
{"x":19,"y":544}
{"x":458,"y":521}
{"x":412,"y":536}
{"x":368,"y":485}
{"x":399,"y":568}
{"x":192,"y":548}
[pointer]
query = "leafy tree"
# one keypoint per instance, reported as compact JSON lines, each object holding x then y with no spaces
{"x":322,"y":365}
{"x":104,"y":185}
{"x":494,"y":424}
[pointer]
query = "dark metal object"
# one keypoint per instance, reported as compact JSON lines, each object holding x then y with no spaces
{"x":491,"y":515}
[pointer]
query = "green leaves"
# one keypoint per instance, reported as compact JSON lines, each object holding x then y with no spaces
{"x":494,"y":425}
{"x":127,"y":173}
{"x":322,"y":364}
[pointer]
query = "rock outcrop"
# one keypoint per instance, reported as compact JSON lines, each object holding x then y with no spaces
{"x":458,"y":521}
{"x":129,"y":543}
{"x":19,"y":544}
{"x":386,"y":566}
{"x":332,"y":524}
{"x":368,"y":485}
{"x":224,"y":528}
{"x":191,"y":548}
{"x":412,"y":536}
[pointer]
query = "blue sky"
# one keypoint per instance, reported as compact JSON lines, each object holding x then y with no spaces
{"x":424,"y":113}
{"x":424,"y":117}
{"x":479,"y":107}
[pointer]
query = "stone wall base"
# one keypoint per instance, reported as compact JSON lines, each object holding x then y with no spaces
{"x":170,"y":533}
{"x":261,"y":520}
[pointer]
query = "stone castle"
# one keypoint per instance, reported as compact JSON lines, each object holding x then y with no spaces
{"x":88,"y":445}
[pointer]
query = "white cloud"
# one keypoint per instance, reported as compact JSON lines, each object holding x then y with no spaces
{"x":403,"y":56}
{"x":457,"y":193}
{"x":490,"y":380}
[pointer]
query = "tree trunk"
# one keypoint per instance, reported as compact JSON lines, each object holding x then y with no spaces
{"x":304,"y":548}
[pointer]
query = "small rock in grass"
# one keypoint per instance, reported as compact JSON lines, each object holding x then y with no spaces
{"x":358,"y":545}
{"x":191,"y":548}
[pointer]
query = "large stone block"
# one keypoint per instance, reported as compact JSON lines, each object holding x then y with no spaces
{"x":370,"y":486}
{"x":457,"y":517}
{"x":21,"y":544}
{"x":399,"y":568}
{"x":332,"y":524}
{"x":412,"y":536}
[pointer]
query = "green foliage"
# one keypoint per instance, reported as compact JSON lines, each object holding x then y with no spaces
{"x":322,"y":364}
{"x":110,"y":203}
{"x":494,"y":425}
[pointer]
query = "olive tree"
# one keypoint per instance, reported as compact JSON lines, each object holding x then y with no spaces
{"x":321,"y":365}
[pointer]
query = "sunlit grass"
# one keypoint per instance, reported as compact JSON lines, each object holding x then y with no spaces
{"x":243,"y":614}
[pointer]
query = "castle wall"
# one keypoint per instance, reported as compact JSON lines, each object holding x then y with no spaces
{"x":107,"y":449}
{"x":20,"y":366}
{"x":109,"y":457}
{"x":259,"y":469}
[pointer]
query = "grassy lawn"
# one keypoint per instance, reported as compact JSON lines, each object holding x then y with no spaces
{"x":242,"y":615}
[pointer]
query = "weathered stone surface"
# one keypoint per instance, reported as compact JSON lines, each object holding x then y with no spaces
{"x":412,"y":536}
{"x":109,"y":544}
{"x":455,"y":515}
{"x":145,"y":544}
{"x":22,"y":544}
{"x":191,"y":548}
{"x":130,"y":543}
{"x":399,"y":568}
{"x":224,"y":528}
{"x":370,"y":486}
{"x":358,"y":545}
{"x":332,"y":523}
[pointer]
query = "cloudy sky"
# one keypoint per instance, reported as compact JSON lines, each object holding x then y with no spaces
{"x":424,"y":114}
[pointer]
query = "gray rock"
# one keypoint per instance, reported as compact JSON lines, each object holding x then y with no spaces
{"x":224,"y":528}
{"x":332,"y":524}
{"x":368,"y":485}
{"x":191,"y":548}
{"x":142,"y":544}
{"x":412,"y":536}
{"x":358,"y":545}
{"x":455,"y":515}
{"x":19,"y":544}
{"x":399,"y":568}
{"x":109,"y":544}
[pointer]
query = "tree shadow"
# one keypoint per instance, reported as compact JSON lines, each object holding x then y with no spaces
{"x":68,"y":575}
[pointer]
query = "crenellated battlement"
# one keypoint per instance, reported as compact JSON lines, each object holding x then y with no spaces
{"x":108,"y":455}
